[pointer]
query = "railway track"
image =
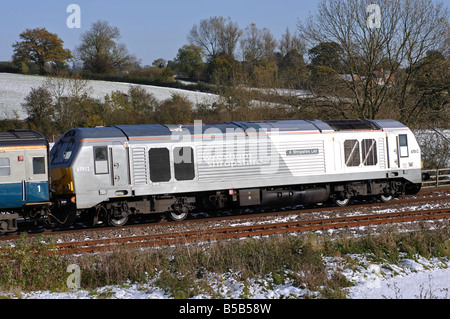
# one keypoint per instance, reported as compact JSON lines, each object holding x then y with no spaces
{"x":111,"y":244}
{"x":259,"y":227}
{"x":428,"y":196}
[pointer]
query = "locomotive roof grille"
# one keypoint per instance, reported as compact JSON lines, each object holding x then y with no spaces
{"x":21,"y":137}
{"x":352,"y":125}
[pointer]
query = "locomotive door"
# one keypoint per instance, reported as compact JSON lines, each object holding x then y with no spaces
{"x":397,"y":150}
{"x":119,"y":164}
{"x":403,"y":151}
{"x":392,"y":153}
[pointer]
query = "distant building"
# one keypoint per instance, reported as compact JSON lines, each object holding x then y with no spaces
{"x":382,"y":77}
{"x":379,"y":77}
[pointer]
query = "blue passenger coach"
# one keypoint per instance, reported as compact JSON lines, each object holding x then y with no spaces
{"x":24,"y":175}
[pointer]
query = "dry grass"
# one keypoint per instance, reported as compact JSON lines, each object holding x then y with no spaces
{"x":183,"y":270}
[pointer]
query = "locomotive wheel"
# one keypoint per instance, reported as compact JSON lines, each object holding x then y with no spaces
{"x":342,"y":202}
{"x":179,"y":212}
{"x":386,"y":199}
{"x":117,"y":222}
{"x":117,"y":217}
{"x":179,"y":215}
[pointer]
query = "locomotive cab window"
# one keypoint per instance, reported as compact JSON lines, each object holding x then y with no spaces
{"x":159,"y":159}
{"x":351,"y":153}
{"x":403,"y":143}
{"x":4,"y":166}
{"x":62,"y":151}
{"x":38,"y":165}
{"x":183,"y":158}
{"x":101,"y":160}
{"x":369,"y":152}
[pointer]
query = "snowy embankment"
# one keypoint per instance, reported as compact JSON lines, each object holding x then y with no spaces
{"x":409,"y":279}
{"x":15,"y":87}
{"x":415,"y":283}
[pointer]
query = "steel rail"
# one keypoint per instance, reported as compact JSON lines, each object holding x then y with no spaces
{"x":243,"y":216}
{"x":249,"y":231}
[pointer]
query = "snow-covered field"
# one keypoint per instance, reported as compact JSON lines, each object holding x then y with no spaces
{"x":15,"y":87}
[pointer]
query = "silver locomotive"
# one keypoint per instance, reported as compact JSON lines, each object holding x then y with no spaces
{"x":110,"y":173}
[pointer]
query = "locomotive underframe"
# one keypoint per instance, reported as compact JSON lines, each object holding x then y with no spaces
{"x":117,"y":211}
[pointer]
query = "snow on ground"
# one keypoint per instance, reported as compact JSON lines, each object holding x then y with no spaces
{"x":419,"y":284}
{"x":409,"y":279}
{"x":15,"y":87}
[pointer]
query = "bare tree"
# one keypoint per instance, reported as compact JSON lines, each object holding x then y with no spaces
{"x":380,"y":59}
{"x":257,"y":43}
{"x":229,"y":34}
{"x":216,"y":36}
{"x":70,"y":99}
{"x":291,"y":42}
{"x":100,"y":51}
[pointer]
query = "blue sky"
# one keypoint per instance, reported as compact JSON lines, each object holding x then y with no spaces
{"x":150,"y":29}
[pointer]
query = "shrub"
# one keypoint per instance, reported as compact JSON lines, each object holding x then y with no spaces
{"x":32,"y":265}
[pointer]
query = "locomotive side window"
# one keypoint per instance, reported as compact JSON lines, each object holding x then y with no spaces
{"x":159,"y":159}
{"x":101,"y":160}
{"x":369,"y":152}
{"x":351,"y":152}
{"x":183,"y":158}
{"x":4,"y":166}
{"x":38,"y":165}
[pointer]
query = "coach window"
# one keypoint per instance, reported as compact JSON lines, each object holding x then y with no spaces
{"x":369,"y":152}
{"x":159,"y":159}
{"x":351,"y":152}
{"x":4,"y":166}
{"x":38,"y":165}
{"x":183,"y":158}
{"x":101,"y":160}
